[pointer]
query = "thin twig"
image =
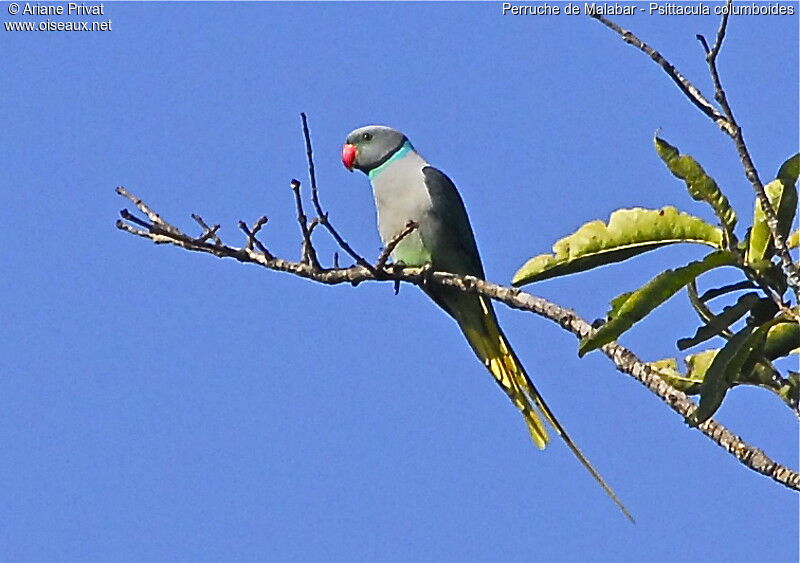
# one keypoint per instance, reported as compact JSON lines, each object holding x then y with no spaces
{"x":307,"y":251}
{"x":252,"y":240}
{"x":312,"y":175}
{"x":624,"y":360}
{"x":259,"y":224}
{"x":322,"y":214}
{"x":382,"y":259}
{"x":771,"y":293}
{"x":142,"y":206}
{"x":723,"y":26}
{"x":689,"y":89}
{"x":128,"y":216}
{"x":208,"y":232}
{"x":313,"y":224}
{"x":703,"y":42}
{"x":736,"y":133}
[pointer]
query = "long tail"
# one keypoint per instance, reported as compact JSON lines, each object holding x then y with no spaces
{"x":491,"y":346}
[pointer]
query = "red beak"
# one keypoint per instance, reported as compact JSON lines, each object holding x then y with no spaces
{"x":349,"y":153}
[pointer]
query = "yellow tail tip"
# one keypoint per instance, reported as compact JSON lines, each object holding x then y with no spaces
{"x":536,"y":430}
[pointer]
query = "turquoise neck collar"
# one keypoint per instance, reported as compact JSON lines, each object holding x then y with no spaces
{"x":400,"y":153}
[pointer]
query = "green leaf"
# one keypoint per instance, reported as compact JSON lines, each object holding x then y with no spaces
{"x":697,"y":364}
{"x":763,"y":311}
{"x":726,"y":368}
{"x":719,"y":376}
{"x":701,"y":186}
{"x":790,"y":392}
{"x":618,"y":302}
{"x":629,"y":232}
{"x":782,"y":340}
{"x":790,"y":170}
{"x":762,"y":373}
{"x":640,"y":302}
{"x":696,"y":367}
{"x":715,"y":292}
{"x":719,"y":323}
{"x":794,"y":240}
{"x":666,"y":363}
{"x":697,"y":304}
{"x":771,"y":274}
{"x":782,"y":196}
{"x":787,"y":209}
{"x":667,"y":369}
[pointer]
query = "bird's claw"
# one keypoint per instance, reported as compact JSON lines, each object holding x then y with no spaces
{"x":396,"y":267}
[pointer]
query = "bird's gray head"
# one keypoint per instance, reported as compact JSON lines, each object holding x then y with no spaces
{"x":368,"y":147}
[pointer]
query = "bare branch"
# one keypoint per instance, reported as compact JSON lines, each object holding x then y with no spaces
{"x":155,"y":219}
{"x":624,"y":360}
{"x":689,"y":89}
{"x":321,"y":214}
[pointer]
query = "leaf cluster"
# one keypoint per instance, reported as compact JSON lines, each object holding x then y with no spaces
{"x":756,"y":326}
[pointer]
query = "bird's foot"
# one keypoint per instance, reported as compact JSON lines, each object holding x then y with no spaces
{"x":396,"y":267}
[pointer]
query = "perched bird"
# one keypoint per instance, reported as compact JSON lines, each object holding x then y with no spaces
{"x":407,"y":188}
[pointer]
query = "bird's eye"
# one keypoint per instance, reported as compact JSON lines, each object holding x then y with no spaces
{"x":367,"y":136}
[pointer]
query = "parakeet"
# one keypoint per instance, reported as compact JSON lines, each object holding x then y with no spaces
{"x":407,"y":188}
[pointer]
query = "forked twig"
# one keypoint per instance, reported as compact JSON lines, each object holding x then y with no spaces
{"x":208,"y":232}
{"x":308,"y":254}
{"x":251,"y":236}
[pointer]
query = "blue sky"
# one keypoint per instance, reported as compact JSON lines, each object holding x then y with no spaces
{"x":162,"y":405}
